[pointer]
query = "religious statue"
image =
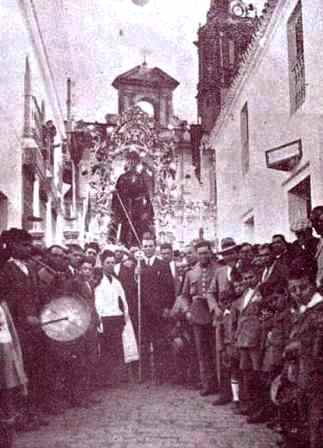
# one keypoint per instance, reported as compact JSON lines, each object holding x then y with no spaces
{"x":132,"y":210}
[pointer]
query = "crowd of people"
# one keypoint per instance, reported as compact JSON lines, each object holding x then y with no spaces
{"x":244,"y":322}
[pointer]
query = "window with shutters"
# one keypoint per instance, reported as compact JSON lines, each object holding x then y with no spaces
{"x":244,"y":127}
{"x":296,"y":58}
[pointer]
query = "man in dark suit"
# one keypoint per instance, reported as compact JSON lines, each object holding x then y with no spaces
{"x":306,"y":243}
{"x":87,"y":354}
{"x":157,"y":298}
{"x":127,"y":276}
{"x":272,"y":270}
{"x":167,"y":255}
{"x":281,"y":250}
{"x":19,"y":288}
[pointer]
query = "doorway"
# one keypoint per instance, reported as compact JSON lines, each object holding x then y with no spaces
{"x":299,"y":201}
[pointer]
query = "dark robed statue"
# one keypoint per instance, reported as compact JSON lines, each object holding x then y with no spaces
{"x":131,"y":203}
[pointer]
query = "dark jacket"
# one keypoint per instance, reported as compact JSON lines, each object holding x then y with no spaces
{"x":307,"y":343}
{"x":21,"y":293}
{"x":276,"y":339}
{"x":248,"y":334}
{"x":157,"y":290}
{"x":195,"y":293}
{"x":128,"y":281}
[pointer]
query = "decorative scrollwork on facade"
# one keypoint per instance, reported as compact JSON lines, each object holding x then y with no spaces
{"x":135,"y":132}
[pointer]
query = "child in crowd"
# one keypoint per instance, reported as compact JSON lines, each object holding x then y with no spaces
{"x":277,"y":322}
{"x":238,"y":288}
{"x":248,"y":337}
{"x":182,"y":346}
{"x":306,"y":348}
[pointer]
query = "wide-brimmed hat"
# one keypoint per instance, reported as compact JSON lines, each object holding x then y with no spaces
{"x":16,"y":235}
{"x":227,"y":244}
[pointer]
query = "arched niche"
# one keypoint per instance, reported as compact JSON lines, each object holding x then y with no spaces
{"x":147,"y":106}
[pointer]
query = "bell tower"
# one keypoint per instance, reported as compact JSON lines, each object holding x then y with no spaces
{"x":221,"y":43}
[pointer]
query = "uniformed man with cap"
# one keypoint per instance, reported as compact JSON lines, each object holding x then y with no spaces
{"x":194,"y":292}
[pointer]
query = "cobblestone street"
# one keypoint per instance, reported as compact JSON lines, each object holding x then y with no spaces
{"x":149,"y":417}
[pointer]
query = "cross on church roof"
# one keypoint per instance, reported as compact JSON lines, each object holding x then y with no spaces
{"x":145,"y":52}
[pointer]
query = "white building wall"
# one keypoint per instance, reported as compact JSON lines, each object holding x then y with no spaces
{"x":262,"y":194}
{"x":15,"y":44}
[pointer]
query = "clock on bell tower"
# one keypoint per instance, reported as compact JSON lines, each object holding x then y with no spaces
{"x":221,"y":43}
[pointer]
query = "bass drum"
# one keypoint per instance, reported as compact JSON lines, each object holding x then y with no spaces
{"x":66,"y":321}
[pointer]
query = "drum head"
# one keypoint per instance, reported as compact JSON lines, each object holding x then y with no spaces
{"x":76,"y":314}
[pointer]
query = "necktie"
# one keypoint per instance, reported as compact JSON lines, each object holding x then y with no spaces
{"x":109,"y":277}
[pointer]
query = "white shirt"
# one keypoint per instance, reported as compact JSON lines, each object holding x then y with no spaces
{"x":20,"y":265}
{"x":229,"y":271}
{"x":107,"y":295}
{"x":250,"y":293}
{"x":5,"y":336}
{"x":315,"y":300}
{"x":72,"y":270}
{"x":150,"y":261}
{"x":172,"y":266}
{"x":117,"y":268}
{"x":268,"y":271}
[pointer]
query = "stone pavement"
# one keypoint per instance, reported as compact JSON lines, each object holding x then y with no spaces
{"x":149,"y":417}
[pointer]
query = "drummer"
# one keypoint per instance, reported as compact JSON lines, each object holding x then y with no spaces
{"x":84,"y":365}
{"x":54,"y":280}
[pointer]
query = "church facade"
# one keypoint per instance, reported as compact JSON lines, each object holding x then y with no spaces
{"x":184,"y":204}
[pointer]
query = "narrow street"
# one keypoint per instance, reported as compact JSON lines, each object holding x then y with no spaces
{"x":149,"y":417}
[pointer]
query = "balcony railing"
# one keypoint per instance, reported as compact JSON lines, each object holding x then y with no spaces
{"x":298,"y":79}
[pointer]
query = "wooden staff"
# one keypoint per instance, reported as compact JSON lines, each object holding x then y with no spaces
{"x":139,"y":258}
{"x":125,"y":211}
{"x":139,"y":320}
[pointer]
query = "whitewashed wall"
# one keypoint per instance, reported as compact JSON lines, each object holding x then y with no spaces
{"x":262,"y":192}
